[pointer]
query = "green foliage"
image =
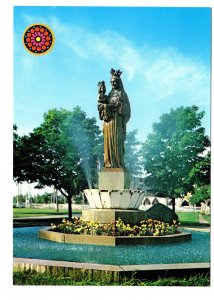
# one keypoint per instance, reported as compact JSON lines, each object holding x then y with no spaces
{"x":162,"y":213}
{"x":21,"y":199}
{"x":61,"y":152}
{"x":47,"y":198}
{"x":40,"y":199}
{"x":201,"y":194}
{"x":17,"y":155}
{"x":200,"y":173}
{"x":78,"y":199}
{"x":172,"y":151}
{"x":33,"y":278}
{"x":197,"y":280}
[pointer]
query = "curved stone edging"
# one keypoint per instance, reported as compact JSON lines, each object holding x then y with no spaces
{"x":113,"y":240}
{"x":111,"y":273}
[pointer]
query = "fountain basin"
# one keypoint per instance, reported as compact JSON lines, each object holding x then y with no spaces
{"x":28,"y":245}
{"x":114,"y":199}
{"x":113,"y":240}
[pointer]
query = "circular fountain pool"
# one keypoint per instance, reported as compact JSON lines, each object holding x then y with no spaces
{"x":28,"y":245}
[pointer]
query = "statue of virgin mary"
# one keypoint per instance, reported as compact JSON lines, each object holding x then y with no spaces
{"x":115,"y":112}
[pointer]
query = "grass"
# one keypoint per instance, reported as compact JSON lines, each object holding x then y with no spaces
{"x":38,"y":212}
{"x":189,"y":218}
{"x":33,"y":278}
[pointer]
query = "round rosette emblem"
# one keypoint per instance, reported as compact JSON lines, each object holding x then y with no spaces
{"x":38,"y":39}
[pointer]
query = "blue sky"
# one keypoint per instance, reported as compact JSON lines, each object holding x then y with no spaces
{"x":164,"y":54}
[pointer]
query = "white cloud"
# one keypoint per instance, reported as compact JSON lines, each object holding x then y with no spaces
{"x":29,"y":19}
{"x":69,"y":36}
{"x":29,"y":64}
{"x":161,"y":73}
{"x":174,"y":74}
{"x":106,"y":45}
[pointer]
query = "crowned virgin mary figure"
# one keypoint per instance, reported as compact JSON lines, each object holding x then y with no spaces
{"x":114,"y":110}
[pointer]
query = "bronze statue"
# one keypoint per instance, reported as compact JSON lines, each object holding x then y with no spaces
{"x":115,"y":111}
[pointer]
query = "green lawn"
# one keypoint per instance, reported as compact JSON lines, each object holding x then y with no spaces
{"x":37,"y":212}
{"x":190,"y":218}
{"x":31,"y":278}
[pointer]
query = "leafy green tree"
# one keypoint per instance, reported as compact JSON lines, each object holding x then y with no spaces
{"x":61,"y":152}
{"x":133,"y":158}
{"x":201,"y":194}
{"x":21,"y":199}
{"x":200,"y":177}
{"x":16,"y":151}
{"x":200,"y":173}
{"x":172,"y":150}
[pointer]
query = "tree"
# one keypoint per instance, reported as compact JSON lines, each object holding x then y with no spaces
{"x":201,"y":194}
{"x":16,"y":151}
{"x":133,"y":158}
{"x":199,"y":176}
{"x":61,"y":152}
{"x":200,"y":173}
{"x":172,"y":150}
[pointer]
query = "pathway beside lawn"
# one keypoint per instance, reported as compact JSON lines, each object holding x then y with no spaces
{"x":202,"y":220}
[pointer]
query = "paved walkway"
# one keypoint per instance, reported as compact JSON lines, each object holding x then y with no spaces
{"x":202,"y":220}
{"x":35,"y":221}
{"x":39,"y":221}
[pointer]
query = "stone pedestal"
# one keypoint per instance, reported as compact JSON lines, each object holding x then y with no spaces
{"x":113,"y":199}
{"x":111,"y":215}
{"x":113,"y":179}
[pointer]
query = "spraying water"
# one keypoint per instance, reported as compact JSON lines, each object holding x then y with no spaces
{"x":83,"y":146}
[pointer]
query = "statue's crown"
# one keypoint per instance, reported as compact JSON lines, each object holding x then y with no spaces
{"x":101,"y":83}
{"x":115,"y":73}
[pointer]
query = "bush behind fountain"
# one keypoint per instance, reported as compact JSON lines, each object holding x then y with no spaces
{"x":161,"y":212}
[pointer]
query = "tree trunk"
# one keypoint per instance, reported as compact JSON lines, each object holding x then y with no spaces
{"x":69,"y":198}
{"x":56,"y":199}
{"x":69,"y":207}
{"x":173,"y":204}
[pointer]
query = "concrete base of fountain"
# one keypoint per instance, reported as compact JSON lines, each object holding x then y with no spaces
{"x":104,"y":216}
{"x":112,"y":240}
{"x":125,"y":199}
{"x":112,"y":201}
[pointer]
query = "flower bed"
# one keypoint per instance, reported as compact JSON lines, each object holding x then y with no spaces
{"x":146,"y":228}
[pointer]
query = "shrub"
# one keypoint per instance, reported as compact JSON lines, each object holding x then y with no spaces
{"x":162,"y":213}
